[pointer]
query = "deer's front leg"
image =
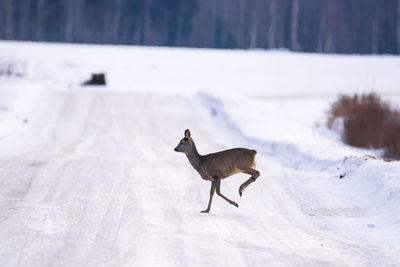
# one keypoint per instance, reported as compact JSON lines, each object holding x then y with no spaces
{"x":212,"y":191}
{"x":217,"y":187}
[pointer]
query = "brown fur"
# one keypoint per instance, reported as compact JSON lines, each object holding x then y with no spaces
{"x":227,"y":163}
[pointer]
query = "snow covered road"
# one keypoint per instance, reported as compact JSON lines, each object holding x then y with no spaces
{"x":102,"y":186}
{"x":88,"y":177}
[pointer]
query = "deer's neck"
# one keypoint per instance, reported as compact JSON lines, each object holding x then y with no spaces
{"x":194,"y":158}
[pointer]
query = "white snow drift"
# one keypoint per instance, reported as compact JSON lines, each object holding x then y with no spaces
{"x":88,"y":176}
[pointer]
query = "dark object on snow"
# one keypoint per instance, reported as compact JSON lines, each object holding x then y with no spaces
{"x":97,"y":79}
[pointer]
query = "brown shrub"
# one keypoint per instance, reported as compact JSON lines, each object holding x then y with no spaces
{"x":368,"y":122}
{"x":392,"y":139}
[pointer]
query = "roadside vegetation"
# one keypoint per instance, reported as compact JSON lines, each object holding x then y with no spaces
{"x":9,"y":68}
{"x":368,"y":122}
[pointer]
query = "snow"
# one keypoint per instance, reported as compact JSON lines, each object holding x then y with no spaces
{"x":88,"y":175}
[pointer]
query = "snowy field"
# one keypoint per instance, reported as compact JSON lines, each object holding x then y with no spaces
{"x":88,"y":175}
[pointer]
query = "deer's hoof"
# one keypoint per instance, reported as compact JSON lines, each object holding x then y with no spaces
{"x":205,"y":211}
{"x":241,"y":189}
{"x":235,"y":204}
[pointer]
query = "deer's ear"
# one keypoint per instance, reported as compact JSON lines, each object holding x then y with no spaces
{"x":187,"y":134}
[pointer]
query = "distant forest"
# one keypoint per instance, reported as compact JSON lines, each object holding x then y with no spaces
{"x":326,"y":26}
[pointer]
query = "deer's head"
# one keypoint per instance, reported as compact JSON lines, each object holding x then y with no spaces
{"x":186,"y":143}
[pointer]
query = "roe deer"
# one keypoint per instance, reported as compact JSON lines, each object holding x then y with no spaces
{"x":217,"y":166}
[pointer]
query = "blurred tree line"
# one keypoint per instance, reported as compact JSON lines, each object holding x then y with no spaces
{"x":334,"y":26}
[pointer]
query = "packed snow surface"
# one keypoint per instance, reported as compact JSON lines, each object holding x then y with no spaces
{"x":88,"y":175}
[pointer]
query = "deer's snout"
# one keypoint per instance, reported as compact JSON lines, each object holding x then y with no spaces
{"x":176,"y":149}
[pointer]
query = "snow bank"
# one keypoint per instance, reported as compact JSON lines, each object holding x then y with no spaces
{"x":255,"y":73}
{"x":275,"y":133}
{"x":374,"y":185}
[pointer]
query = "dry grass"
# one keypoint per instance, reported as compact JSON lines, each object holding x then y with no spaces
{"x":8,"y":68}
{"x":368,"y":122}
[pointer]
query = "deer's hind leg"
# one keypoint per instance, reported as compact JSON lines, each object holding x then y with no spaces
{"x":254,"y":175}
